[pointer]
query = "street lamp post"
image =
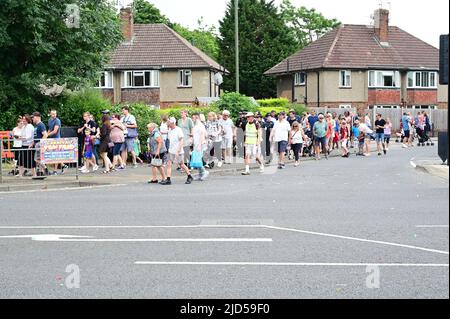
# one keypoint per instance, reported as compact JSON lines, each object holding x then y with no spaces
{"x":236,"y":37}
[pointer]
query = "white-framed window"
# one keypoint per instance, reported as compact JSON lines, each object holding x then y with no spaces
{"x":384,"y":79}
{"x":184,"y":78}
{"x":424,"y":107}
{"x":141,"y":79}
{"x":345,"y":78}
{"x":106,"y":80}
{"x":422,"y":79}
{"x":300,"y":78}
{"x":345,"y":106}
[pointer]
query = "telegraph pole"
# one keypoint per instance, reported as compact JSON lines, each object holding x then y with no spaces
{"x":236,"y":37}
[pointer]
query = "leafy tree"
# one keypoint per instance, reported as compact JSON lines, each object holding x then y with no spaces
{"x":306,"y":24}
{"x":147,"y":13}
{"x":265,"y":40}
{"x":203,"y":37}
{"x":38,"y":47}
{"x":235,"y":102}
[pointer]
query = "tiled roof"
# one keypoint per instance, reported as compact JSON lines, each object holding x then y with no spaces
{"x":158,"y":46}
{"x":356,"y":46}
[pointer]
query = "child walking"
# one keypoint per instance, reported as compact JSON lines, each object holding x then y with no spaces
{"x":88,"y":151}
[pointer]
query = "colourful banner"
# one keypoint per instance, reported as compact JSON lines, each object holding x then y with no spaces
{"x":59,"y":150}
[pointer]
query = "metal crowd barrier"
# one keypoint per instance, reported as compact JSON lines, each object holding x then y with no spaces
{"x":38,"y":162}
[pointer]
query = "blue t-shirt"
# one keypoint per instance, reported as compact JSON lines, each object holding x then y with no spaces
{"x":39,"y":131}
{"x":355,"y":132}
{"x":312,"y":120}
{"x":51,"y":125}
{"x":405,"y":122}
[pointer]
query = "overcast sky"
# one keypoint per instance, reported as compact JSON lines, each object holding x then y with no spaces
{"x":424,"y":19}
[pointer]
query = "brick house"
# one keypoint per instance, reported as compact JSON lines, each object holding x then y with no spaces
{"x":363,"y":67}
{"x":156,"y":66}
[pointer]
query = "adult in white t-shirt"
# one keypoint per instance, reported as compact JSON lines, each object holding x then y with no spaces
{"x":176,"y":151}
{"x":227,"y":137}
{"x":281,"y":134}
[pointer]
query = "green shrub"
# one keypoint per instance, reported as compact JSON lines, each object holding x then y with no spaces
{"x":299,"y":108}
{"x":265,"y":110}
{"x":235,"y":102}
{"x":274,"y":103}
{"x":176,"y":111}
{"x":76,"y":103}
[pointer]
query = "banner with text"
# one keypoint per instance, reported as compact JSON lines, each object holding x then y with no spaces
{"x":59,"y":150}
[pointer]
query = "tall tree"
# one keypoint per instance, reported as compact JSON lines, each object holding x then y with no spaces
{"x":203,"y":37}
{"x":46,"y":42}
{"x":147,"y":13}
{"x":306,"y":24}
{"x":265,"y":40}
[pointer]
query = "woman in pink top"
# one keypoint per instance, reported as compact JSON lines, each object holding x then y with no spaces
{"x":387,"y":133}
{"x":117,"y":137}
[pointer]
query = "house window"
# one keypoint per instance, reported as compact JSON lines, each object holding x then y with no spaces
{"x":185,"y":78}
{"x":106,"y":80}
{"x":345,"y":106}
{"x":384,"y":79}
{"x":141,"y":79}
{"x":300,"y":78}
{"x":345,"y":78}
{"x":422,"y":79}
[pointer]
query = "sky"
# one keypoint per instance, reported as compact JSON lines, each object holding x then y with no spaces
{"x":424,"y":19}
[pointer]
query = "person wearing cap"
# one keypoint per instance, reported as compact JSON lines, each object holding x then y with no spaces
{"x":227,"y":136}
{"x":281,"y":134}
{"x":320,"y":129}
{"x":252,"y":143}
{"x":214,"y":140}
{"x":175,"y":137}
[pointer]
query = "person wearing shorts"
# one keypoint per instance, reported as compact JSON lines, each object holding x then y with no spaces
{"x":227,"y":136}
{"x":281,"y":135}
{"x":117,"y":137}
{"x":387,"y":133}
{"x":158,"y":150}
{"x":175,"y":137}
{"x":252,"y":143}
{"x":320,"y":140}
{"x":380,"y":125}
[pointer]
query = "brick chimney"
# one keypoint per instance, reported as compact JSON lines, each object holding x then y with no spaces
{"x":382,"y":25}
{"x":126,"y":17}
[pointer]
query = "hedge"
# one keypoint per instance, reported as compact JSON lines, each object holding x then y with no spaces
{"x":274,"y":103}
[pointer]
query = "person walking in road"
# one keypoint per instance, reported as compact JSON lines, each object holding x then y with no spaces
{"x":344,"y":135}
{"x":297,"y":139}
{"x":176,"y":156}
{"x":406,"y":130}
{"x":105,"y":143}
{"x":214,"y":139}
{"x":158,"y":150}
{"x":227,"y":137}
{"x":186,"y":124}
{"x":387,"y":133}
{"x":252,"y":143}
{"x":281,"y":134}
{"x":131,"y":134}
{"x":199,"y":136}
{"x":319,"y":133}
{"x":117,"y":137}
{"x":380,"y":125}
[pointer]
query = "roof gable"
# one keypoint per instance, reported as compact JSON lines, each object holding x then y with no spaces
{"x":356,"y":46}
{"x":158,"y":46}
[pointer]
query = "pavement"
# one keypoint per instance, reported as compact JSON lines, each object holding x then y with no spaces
{"x":364,"y":227}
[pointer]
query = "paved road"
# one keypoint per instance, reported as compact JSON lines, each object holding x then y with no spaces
{"x":309,"y":232}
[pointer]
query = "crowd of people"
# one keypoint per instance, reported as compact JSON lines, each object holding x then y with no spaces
{"x":202,"y":142}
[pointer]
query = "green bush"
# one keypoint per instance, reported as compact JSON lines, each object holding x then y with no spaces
{"x":176,"y":111}
{"x":235,"y":102}
{"x":274,"y":103}
{"x":76,"y":103}
{"x":265,"y":110}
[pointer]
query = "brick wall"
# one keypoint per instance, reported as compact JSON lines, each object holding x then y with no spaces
{"x":361,"y":107}
{"x":422,"y":97}
{"x":384,"y":97}
{"x":146,"y":96}
{"x":108,"y":94}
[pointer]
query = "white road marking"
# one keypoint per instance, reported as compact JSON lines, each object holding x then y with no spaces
{"x":289,"y":264}
{"x":432,"y":226}
{"x":361,"y":240}
{"x":70,"y":238}
{"x":235,"y":226}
